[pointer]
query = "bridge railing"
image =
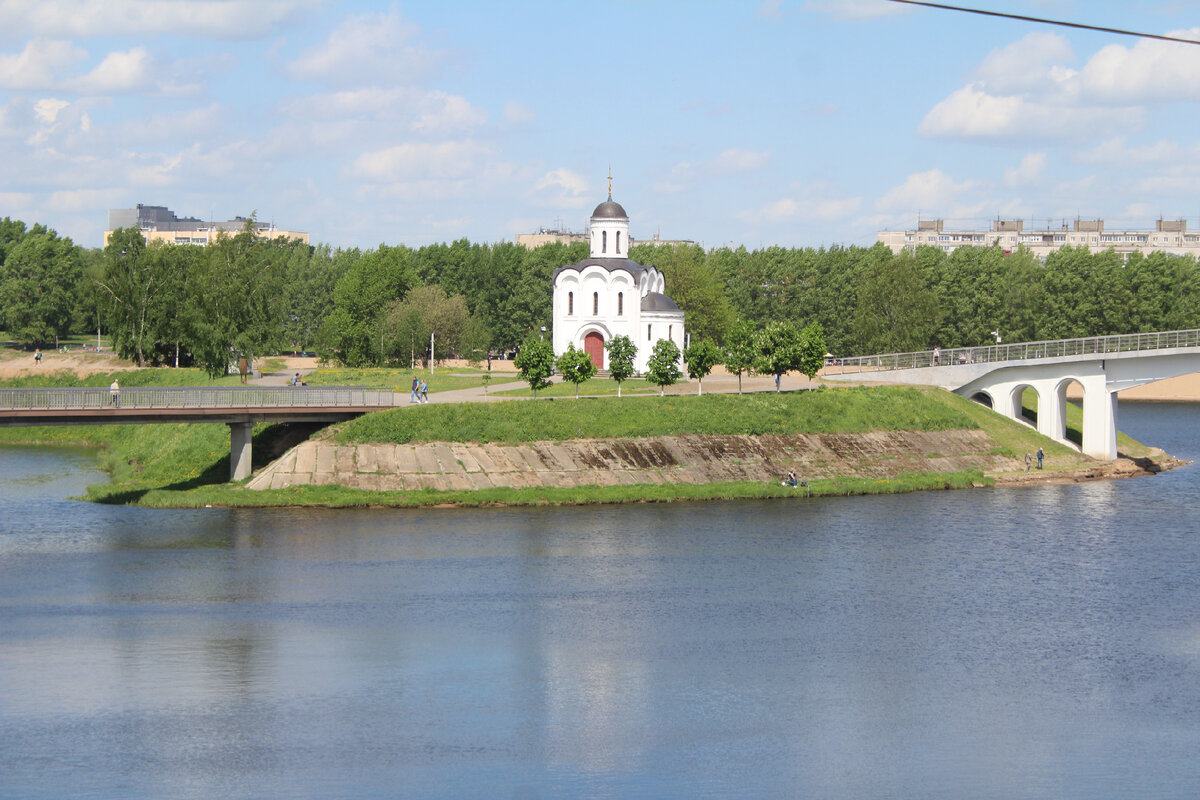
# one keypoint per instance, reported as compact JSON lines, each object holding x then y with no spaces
{"x":193,"y":397}
{"x":1020,"y":351}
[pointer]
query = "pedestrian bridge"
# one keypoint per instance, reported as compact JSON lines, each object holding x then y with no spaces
{"x":239,"y":407}
{"x":998,"y":375}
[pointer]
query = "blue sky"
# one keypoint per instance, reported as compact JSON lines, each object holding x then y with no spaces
{"x":786,"y":122}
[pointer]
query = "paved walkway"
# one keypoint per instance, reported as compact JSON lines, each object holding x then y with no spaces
{"x":713,"y":384}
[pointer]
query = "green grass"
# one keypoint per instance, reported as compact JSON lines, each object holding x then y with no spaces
{"x":594,"y":387}
{"x":443,"y":379}
{"x":341,"y":497}
{"x":823,"y":411}
{"x":135,"y":377}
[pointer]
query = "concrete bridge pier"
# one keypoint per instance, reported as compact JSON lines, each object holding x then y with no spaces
{"x":240,"y":436}
{"x":1005,"y":388}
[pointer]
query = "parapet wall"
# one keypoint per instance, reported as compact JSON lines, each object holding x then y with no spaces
{"x":691,"y":459}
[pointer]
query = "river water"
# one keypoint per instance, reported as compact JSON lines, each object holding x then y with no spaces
{"x":1022,"y":643}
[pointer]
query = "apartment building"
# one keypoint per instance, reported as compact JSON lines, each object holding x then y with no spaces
{"x":1169,"y":236}
{"x":159,"y":223}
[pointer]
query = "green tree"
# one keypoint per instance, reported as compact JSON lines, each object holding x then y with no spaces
{"x":235,"y":300}
{"x":576,"y":366}
{"x":896,"y":312}
{"x":740,"y":350}
{"x":37,"y":286}
{"x":351,"y":332}
{"x":701,"y":357}
{"x":694,"y":284}
{"x":137,"y":282}
{"x":535,"y":362}
{"x":778,"y":350}
{"x":812,"y":350}
{"x":663,"y":367}
{"x":621,"y":354}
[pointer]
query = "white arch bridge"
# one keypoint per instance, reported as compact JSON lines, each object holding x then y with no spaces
{"x":999,"y":374}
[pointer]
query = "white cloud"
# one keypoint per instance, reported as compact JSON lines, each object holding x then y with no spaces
{"x":972,"y":112}
{"x":1028,"y":89}
{"x":923,"y":191}
{"x":75,"y":200}
{"x":736,"y":159}
{"x":854,"y":9}
{"x":1030,"y":64}
{"x":1115,"y":151}
{"x":770,"y":9}
{"x":367,"y":49}
{"x":46,"y":110}
{"x":1176,"y":183}
{"x":235,"y":19}
{"x":1030,"y":170}
{"x":518,"y":113}
{"x":814,"y":201}
{"x":37,"y":66}
{"x":419,"y":160}
{"x":168,"y":127}
{"x":118,"y":73}
{"x":443,"y":113}
{"x":12,"y":201}
{"x":1150,"y":71}
{"x":562,"y":187}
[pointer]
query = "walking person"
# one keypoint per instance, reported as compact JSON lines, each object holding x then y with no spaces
{"x":114,"y":389}
{"x":937,"y":356}
{"x":37,"y":357}
{"x":424,"y":392}
{"x":413,"y":397}
{"x":1028,"y":461}
{"x":1040,"y":456}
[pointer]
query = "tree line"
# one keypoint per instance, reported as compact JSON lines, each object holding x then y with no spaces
{"x":244,"y":295}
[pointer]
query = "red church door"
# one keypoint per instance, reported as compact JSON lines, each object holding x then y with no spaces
{"x":593,"y":345}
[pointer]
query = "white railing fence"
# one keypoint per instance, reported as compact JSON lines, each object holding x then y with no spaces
{"x":1021,"y":351}
{"x":194,"y":397}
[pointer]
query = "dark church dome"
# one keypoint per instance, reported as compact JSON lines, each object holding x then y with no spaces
{"x":609,"y":210}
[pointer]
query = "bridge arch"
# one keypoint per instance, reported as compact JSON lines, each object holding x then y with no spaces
{"x":1018,"y":404}
{"x":984,"y":399}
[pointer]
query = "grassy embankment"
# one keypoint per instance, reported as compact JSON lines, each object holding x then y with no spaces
{"x":187,"y":465}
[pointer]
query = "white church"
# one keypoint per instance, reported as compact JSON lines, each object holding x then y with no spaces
{"x":607,"y":295}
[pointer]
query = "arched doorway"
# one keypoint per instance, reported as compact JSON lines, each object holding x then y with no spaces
{"x":593,"y":345}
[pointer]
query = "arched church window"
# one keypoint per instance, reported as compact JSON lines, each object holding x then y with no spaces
{"x":595,"y":302}
{"x":570,"y":303}
{"x":618,"y":250}
{"x":603,"y":241}
{"x":647,"y":333}
{"x":620,"y":304}
{"x":669,"y":327}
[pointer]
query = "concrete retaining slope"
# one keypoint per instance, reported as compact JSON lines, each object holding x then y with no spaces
{"x":610,"y":462}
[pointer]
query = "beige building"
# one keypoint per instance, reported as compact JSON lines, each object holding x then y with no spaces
{"x":1168,"y":236}
{"x":552,"y":235}
{"x":160,"y":224}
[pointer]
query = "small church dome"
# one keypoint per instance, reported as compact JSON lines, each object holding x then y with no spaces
{"x":609,"y":210}
{"x":657,"y":301}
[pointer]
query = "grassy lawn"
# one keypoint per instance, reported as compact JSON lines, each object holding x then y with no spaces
{"x":824,"y":411}
{"x":443,"y":379}
{"x":593,"y":388}
{"x":134,"y":377}
{"x":341,"y":497}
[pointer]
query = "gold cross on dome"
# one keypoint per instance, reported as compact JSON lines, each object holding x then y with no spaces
{"x":610,"y":181}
